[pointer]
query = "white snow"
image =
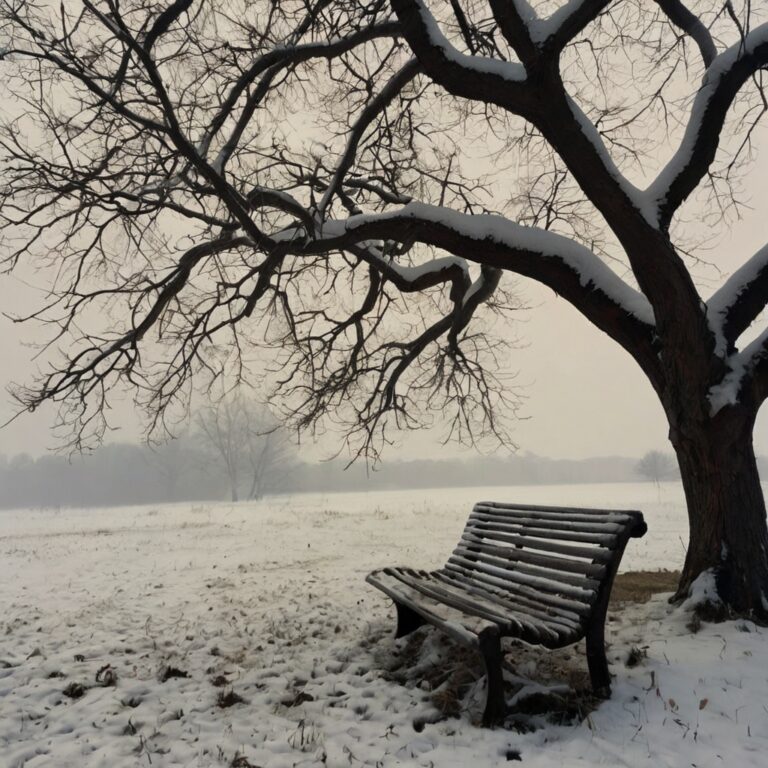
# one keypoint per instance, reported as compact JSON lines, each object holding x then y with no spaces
{"x":541,"y":29}
{"x":657,"y":192}
{"x":511,"y":71}
{"x":271,"y":596}
{"x":702,"y":591}
{"x":726,"y":296}
{"x":739,"y":363}
{"x":640,"y":199}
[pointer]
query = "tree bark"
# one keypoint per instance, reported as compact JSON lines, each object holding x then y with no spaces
{"x":726,"y":511}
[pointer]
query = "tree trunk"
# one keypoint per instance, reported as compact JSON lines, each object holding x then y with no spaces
{"x":726,"y":512}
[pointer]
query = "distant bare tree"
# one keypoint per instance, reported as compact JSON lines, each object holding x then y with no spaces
{"x":245,"y":441}
{"x":657,"y":466}
{"x":304,"y":171}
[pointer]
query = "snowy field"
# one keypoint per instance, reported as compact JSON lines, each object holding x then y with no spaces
{"x":244,"y":635}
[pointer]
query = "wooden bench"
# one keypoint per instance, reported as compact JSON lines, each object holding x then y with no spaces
{"x":539,"y":574}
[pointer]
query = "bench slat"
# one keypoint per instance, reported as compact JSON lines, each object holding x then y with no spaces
{"x":540,"y":529}
{"x":501,"y":568}
{"x":501,"y":579}
{"x":555,"y":520}
{"x":518,"y":595}
{"x":627,"y":514}
{"x":519,"y":554}
{"x":474,"y":607}
{"x":590,"y":554}
{"x":459,"y":625}
{"x":468,"y":546}
{"x":551,"y":631}
{"x":569,"y":624}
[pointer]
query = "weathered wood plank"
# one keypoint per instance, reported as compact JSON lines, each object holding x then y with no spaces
{"x":459,"y":625}
{"x":491,"y":575}
{"x":626,"y":513}
{"x":478,"y":519}
{"x":514,"y":595}
{"x":518,"y":625}
{"x":536,"y":580}
{"x":554,"y":520}
{"x":469,"y":545}
{"x":501,"y":569}
{"x":590,"y":554}
{"x":567,"y":623}
{"x":514,"y":620}
{"x":517,"y":553}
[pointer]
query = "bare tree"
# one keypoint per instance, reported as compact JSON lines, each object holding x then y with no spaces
{"x":657,"y":466}
{"x":245,"y":441}
{"x":306,"y":172}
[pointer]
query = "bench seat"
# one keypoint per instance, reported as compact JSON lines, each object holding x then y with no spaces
{"x":542,"y":575}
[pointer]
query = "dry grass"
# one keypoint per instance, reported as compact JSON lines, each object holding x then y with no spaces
{"x":640,"y":586}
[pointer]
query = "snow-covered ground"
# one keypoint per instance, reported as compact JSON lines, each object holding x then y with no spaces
{"x":267,"y":601}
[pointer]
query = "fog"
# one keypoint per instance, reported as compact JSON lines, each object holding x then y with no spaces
{"x":124,"y":474}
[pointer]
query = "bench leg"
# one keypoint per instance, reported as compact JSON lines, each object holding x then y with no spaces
{"x":407,"y":620}
{"x":495,"y":704}
{"x":596,"y":661}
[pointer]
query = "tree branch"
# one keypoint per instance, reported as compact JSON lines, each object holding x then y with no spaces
{"x":375,"y":106}
{"x":472,"y":77}
{"x":722,"y":82}
{"x":569,"y":21}
{"x":563,"y":265}
{"x":692,"y":25}
{"x":738,"y":302}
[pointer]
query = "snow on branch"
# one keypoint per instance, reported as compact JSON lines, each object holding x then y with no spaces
{"x":566,"y":22}
{"x":742,"y":367}
{"x":733,"y":307}
{"x":506,"y":70}
{"x":692,"y":25}
{"x":637,"y":197}
{"x":559,"y":262}
{"x":722,"y":81}
{"x":493,"y":80}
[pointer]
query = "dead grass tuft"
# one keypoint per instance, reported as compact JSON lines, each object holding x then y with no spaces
{"x":297,"y":699}
{"x":170,"y":672}
{"x":229,"y":698}
{"x":74,"y":690}
{"x":241,"y":761}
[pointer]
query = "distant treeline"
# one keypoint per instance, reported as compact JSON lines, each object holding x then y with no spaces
{"x":135,"y":474}
{"x":112,"y":475}
{"x":470,"y":471}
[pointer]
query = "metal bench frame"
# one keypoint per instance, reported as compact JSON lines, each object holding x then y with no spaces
{"x":516,"y":573}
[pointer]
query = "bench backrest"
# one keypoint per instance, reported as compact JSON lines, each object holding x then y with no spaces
{"x":560,"y":558}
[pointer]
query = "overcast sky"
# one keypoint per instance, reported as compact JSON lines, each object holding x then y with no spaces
{"x":585,"y":396}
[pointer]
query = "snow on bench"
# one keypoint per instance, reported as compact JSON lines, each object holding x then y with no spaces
{"x":542,"y":575}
